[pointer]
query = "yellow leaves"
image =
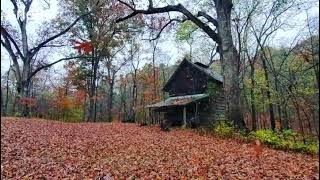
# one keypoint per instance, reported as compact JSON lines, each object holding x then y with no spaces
{"x":64,"y":103}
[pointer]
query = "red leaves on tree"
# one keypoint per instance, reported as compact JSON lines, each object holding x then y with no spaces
{"x":85,"y":47}
{"x":28,"y":101}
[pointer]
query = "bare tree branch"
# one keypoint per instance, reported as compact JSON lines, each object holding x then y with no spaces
{"x":51,"y":64}
{"x":126,"y":4}
{"x":174,"y":8}
{"x":36,"y":49}
{"x":208,"y":17}
{"x":27,"y":5}
{"x":5,"y":34}
{"x":47,"y":3}
{"x":169,"y":22}
{"x":55,"y":45}
{"x":15,"y":7}
{"x":7,"y":45}
{"x":150,"y":4}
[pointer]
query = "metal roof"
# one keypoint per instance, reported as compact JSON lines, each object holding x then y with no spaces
{"x":178,"y":100}
{"x":208,"y":71}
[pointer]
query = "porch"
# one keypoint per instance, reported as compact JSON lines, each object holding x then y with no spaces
{"x":179,"y":110}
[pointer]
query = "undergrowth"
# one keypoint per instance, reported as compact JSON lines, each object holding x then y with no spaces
{"x":278,"y":139}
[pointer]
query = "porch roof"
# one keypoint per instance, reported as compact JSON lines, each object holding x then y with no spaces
{"x":178,"y":100}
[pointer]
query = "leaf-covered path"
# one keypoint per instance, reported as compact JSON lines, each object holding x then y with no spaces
{"x":38,"y":148}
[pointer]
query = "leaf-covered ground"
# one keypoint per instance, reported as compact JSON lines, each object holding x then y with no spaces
{"x":36,"y":148}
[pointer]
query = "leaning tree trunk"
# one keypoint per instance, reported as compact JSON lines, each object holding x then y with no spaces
{"x":228,"y":55}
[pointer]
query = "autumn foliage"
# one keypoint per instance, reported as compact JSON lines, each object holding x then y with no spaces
{"x":42,"y":149}
{"x":85,"y":46}
{"x":28,"y":101}
{"x":150,"y":84}
{"x":67,"y":107}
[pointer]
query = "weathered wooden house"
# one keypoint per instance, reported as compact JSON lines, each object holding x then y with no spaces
{"x":195,"y":96}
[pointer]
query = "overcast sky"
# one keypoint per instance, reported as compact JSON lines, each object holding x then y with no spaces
{"x":40,"y":12}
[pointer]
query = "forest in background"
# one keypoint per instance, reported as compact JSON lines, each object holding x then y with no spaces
{"x":116,"y":69}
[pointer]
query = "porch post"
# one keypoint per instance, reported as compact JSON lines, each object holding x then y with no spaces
{"x":184,"y":123}
{"x":196,"y":113}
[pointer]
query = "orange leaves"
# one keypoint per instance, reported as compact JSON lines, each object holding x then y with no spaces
{"x":85,"y":47}
{"x":149,"y":79}
{"x":33,"y":148}
{"x":80,"y":96}
{"x":63,"y":102}
{"x":257,"y":148}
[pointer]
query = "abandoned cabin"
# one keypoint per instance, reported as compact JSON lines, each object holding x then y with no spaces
{"x":195,"y":97}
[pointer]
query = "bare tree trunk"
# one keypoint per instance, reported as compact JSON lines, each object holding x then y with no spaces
{"x":122,"y":106}
{"x":95,"y":94}
{"x":271,"y":112}
{"x":253,"y":107}
{"x":316,"y":124}
{"x":2,"y":105}
{"x":229,"y":58}
{"x":124,"y":101}
{"x":154,"y":70}
{"x":190,"y":50}
{"x":91,"y":95}
{"x":5,"y":109}
{"x":300,"y":120}
{"x":110,"y":98}
{"x":92,"y":89}
{"x":134,"y":96}
{"x":84,"y":107}
{"x":280,"y":103}
{"x":285,"y":119}
{"x":24,"y":92}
